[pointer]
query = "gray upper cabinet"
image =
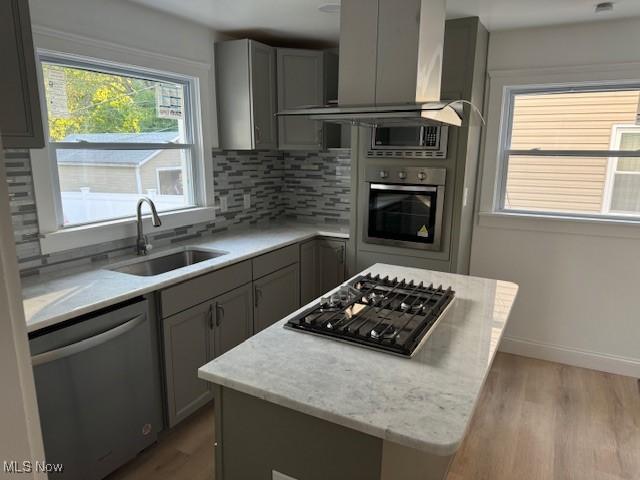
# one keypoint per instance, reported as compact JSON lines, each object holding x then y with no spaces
{"x":307,"y":77}
{"x":187,"y":346}
{"x":246,"y":95}
{"x":275,"y":296}
{"x":20,"y":115}
{"x":300,"y":83}
{"x":233,"y":313}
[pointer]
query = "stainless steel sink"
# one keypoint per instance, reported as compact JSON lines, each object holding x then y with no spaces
{"x":166,"y":263}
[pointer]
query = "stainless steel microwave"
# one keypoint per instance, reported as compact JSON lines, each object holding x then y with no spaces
{"x":423,"y":137}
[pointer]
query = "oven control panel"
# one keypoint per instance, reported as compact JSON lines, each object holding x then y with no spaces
{"x":406,"y":175}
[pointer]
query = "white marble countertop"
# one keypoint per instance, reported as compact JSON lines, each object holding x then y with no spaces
{"x":50,"y":299}
{"x":425,"y":402}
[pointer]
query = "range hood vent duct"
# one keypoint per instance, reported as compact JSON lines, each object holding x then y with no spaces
{"x":390,"y":66}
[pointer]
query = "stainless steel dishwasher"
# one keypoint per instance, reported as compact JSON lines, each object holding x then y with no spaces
{"x":98,"y":385}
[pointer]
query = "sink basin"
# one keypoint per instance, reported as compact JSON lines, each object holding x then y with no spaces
{"x":168,"y":262}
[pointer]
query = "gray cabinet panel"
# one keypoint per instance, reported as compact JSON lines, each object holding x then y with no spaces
{"x":300,"y":83}
{"x":272,"y":261}
{"x":263,"y":94}
{"x":309,"y":272}
{"x":233,"y":315}
{"x":275,"y":296}
{"x":192,"y":292}
{"x":20,"y":116}
{"x":187,"y":346}
{"x":246,"y":95}
{"x":322,"y":267}
{"x":331,"y":257}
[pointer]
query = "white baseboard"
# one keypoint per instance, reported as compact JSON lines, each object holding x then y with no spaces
{"x":580,"y":358}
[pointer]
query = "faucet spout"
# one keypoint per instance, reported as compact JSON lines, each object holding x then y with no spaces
{"x":142,"y":244}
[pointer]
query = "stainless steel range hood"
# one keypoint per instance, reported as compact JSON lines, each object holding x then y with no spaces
{"x":390,"y":66}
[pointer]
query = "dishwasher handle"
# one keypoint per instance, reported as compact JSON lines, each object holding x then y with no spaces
{"x":87,"y":343}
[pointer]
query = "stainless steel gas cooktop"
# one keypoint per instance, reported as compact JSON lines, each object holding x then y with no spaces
{"x":392,"y":315}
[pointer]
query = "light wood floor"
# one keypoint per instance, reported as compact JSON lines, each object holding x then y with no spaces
{"x":535,"y":421}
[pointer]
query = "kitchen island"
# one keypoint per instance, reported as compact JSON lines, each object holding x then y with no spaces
{"x":314,"y":408}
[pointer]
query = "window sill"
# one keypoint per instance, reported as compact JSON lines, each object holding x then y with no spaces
{"x":603,"y":227}
{"x":88,"y":235}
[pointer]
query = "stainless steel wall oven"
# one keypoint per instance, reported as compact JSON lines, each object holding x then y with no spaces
{"x":405,"y":206}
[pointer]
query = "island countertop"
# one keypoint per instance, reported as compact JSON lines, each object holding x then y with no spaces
{"x":425,"y":402}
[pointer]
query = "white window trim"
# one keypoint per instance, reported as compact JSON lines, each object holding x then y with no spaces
{"x":612,"y":166}
{"x":499,"y":81}
{"x":52,"y":238}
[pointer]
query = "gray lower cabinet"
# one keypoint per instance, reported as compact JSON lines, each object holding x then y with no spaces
{"x":322,"y":267}
{"x":275,"y":296}
{"x":20,"y":116}
{"x":233,"y":313}
{"x":331,"y":257}
{"x":187,"y":346}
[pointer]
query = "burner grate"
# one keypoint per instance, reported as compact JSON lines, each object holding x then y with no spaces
{"x":379,"y":312}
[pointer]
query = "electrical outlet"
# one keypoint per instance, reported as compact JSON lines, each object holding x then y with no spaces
{"x":224,"y":205}
{"x":247,"y":201}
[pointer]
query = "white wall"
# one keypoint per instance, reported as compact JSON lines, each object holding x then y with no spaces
{"x":126,"y":23}
{"x":579,"y":299}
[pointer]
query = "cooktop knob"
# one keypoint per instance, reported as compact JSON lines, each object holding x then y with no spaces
{"x":402,"y":175}
{"x":422,"y":175}
{"x":384,"y":174}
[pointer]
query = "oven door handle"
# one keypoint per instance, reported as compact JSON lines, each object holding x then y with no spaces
{"x":403,"y":188}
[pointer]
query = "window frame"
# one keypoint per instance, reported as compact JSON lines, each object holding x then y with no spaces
{"x":612,"y":168}
{"x":74,"y":47}
{"x":125,"y":71}
{"x":504,"y":150}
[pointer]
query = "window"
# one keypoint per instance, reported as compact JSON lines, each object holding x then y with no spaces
{"x":115,"y":135}
{"x":170,"y":181}
{"x":572,"y":151}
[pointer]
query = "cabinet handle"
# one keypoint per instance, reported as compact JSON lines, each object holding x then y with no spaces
{"x":211,"y":317}
{"x":342,"y":255}
{"x":258,"y":135}
{"x":319,"y":136}
{"x":219,"y":314}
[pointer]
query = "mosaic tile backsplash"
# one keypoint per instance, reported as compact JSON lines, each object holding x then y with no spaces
{"x":301,"y":186}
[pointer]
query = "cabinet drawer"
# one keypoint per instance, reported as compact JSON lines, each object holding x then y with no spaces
{"x":272,"y":261}
{"x":192,"y":292}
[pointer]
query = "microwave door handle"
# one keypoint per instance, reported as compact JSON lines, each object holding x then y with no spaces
{"x":422,"y":139}
{"x":87,"y":343}
{"x":403,"y":188}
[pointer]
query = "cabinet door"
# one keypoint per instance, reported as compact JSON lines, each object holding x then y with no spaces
{"x":263,"y":94}
{"x":20,"y":116}
{"x":300,"y":83}
{"x":233,"y":315}
{"x":309,"y":272}
{"x":187,"y":340}
{"x":275,"y":296}
{"x":331,"y":255}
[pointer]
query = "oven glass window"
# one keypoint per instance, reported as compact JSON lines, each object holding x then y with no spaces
{"x":402,"y":213}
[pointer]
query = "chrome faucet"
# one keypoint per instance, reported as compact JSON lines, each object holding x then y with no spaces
{"x":142,"y":243}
